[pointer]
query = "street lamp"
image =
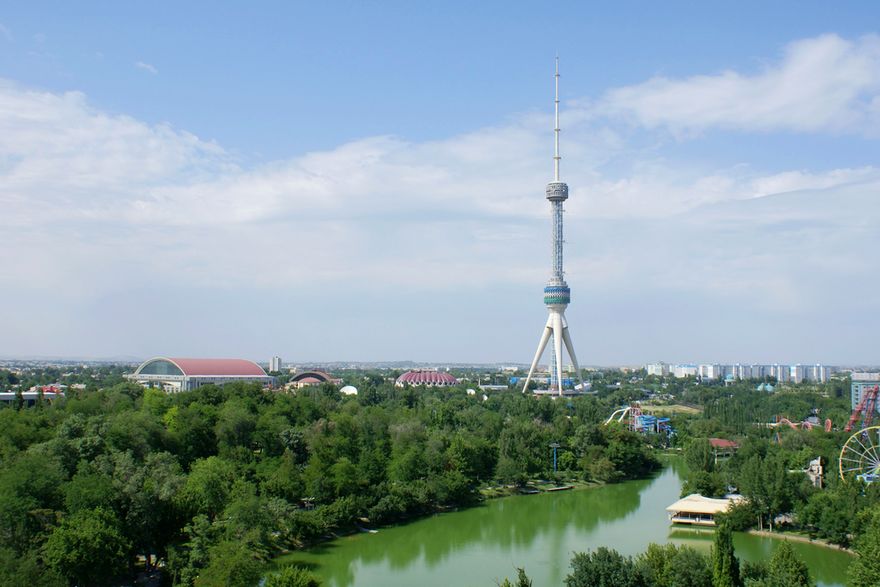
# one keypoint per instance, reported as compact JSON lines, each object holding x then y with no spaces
{"x":554,"y":446}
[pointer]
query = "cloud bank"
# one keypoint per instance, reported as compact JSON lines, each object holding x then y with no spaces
{"x":822,"y":84}
{"x":118,"y":232}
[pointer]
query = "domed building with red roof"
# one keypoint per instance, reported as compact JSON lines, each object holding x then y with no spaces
{"x":180,"y":374}
{"x":427,"y":378}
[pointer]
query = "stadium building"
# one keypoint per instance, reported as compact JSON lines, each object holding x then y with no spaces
{"x":176,"y":374}
{"x":426,"y":378}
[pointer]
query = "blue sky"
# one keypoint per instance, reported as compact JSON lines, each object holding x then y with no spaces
{"x":364,"y":180}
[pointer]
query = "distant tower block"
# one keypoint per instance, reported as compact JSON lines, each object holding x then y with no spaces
{"x":557,"y":294}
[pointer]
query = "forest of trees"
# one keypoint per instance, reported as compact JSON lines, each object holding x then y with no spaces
{"x":669,"y":565}
{"x":206,"y":487}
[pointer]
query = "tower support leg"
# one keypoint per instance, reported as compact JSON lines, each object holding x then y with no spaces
{"x":557,"y":347}
{"x":542,"y":344}
{"x":566,"y":338}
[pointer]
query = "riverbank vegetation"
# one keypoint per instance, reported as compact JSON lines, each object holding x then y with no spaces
{"x":769,"y":466}
{"x":205,"y":487}
{"x":668,"y":565}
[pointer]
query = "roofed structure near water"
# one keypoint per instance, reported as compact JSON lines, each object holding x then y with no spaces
{"x":698,"y":510}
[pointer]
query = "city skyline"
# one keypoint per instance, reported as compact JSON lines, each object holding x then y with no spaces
{"x":249,"y":184}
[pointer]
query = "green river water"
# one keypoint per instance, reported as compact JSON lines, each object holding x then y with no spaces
{"x":480,"y":546}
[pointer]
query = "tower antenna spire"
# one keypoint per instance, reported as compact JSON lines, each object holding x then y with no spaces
{"x":556,"y":156}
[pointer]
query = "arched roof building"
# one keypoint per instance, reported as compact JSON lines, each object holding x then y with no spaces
{"x":427,"y":378}
{"x":181,"y":374}
{"x":307,"y":378}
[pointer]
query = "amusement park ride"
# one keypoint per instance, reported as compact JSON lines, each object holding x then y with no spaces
{"x":860,"y":455}
{"x":632,"y":418}
{"x":806,"y":424}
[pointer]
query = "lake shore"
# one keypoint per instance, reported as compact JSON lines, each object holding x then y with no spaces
{"x":475,"y":546}
{"x":795,"y":537}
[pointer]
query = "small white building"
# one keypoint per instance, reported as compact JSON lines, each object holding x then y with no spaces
{"x":697,"y":510}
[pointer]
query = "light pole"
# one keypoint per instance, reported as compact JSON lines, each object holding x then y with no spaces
{"x":554,"y":446}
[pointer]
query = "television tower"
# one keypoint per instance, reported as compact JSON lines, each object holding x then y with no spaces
{"x":557,"y":295}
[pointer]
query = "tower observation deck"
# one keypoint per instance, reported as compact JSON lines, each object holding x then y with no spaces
{"x":557,"y":294}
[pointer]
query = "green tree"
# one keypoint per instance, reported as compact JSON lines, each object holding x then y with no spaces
{"x":30,"y":491}
{"x":522,"y":451}
{"x":186,"y":559}
{"x":27,"y":569}
{"x":603,"y":568}
{"x":208,"y":485}
{"x":668,"y":565}
{"x":88,"y":547}
{"x":88,"y":490}
{"x":292,"y":576}
{"x":865,"y":570}
{"x":833,"y":513}
{"x":699,"y":455}
{"x":522,"y":580}
{"x":690,"y":569}
{"x":344,"y":475}
{"x":191,"y":429}
{"x":145,"y":495}
{"x":707,"y":484}
{"x":231,"y":564}
{"x":786,"y":569}
{"x":725,"y":566}
{"x":235,"y":427}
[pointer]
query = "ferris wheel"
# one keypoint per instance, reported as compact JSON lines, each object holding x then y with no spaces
{"x":860,"y":455}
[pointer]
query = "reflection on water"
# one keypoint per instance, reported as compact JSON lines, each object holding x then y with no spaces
{"x":481,"y":545}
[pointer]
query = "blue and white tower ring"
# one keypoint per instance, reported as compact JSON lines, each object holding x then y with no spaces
{"x":555,"y":295}
{"x":557,"y":191}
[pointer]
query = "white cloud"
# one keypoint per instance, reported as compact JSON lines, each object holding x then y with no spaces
{"x":5,"y":33}
{"x":790,"y":181}
{"x":146,"y":67}
{"x":62,"y":160}
{"x":822,"y":84}
{"x":99,"y":208}
{"x":377,"y":205}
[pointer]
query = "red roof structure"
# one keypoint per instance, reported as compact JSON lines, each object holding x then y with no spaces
{"x":220,"y":367}
{"x":723,"y":443}
{"x":430,"y":378}
{"x":182,"y":374}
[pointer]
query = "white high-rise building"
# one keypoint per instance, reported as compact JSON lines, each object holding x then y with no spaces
{"x":861,"y":382}
{"x":659,"y":369}
{"x":275,"y":364}
{"x":681,"y":371}
{"x":711,"y":371}
{"x":782,"y":373}
{"x":819,"y":373}
{"x":798,"y":373}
